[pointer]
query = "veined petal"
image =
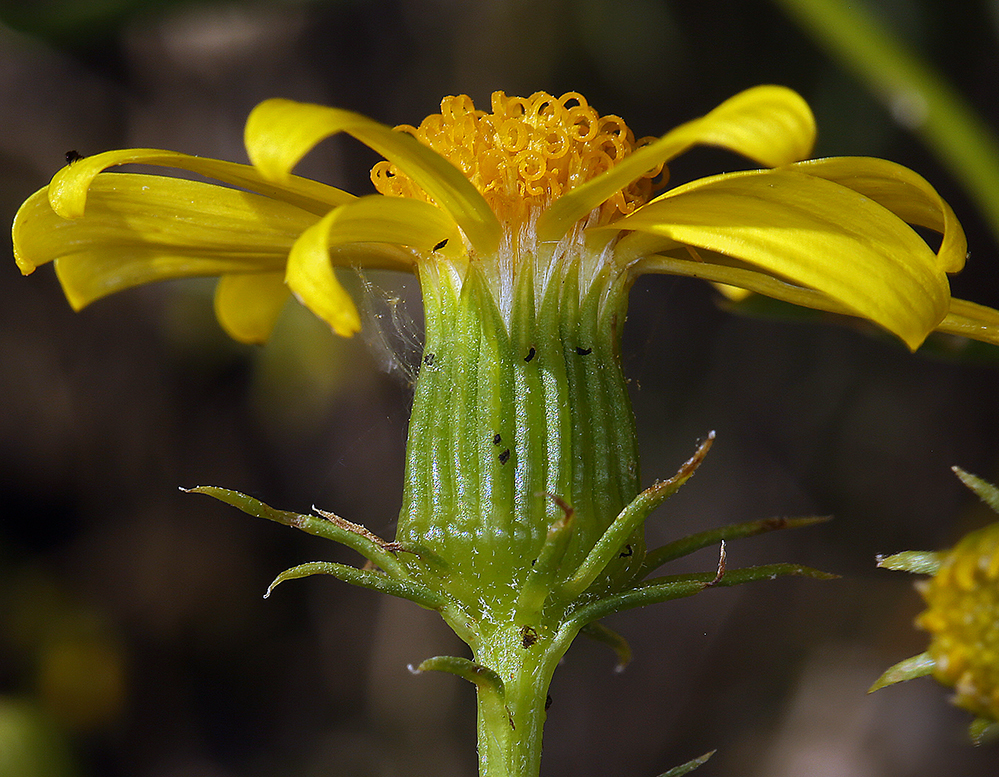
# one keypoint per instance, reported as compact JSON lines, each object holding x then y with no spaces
{"x":965,"y":319}
{"x":906,"y":194}
{"x":969,"y":319}
{"x":814,"y":233}
{"x":771,"y":125}
{"x":142,"y":228}
{"x":68,"y":189}
{"x":280,"y":132}
{"x":741,"y":278}
{"x":395,"y":220}
{"x":248,"y":305}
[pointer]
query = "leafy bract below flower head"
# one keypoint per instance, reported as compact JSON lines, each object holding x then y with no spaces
{"x":543,"y":177}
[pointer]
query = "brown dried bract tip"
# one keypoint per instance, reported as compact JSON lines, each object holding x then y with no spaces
{"x":722,"y":563}
{"x":356,"y":528}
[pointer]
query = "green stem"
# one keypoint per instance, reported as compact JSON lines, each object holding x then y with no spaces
{"x":509,"y":737}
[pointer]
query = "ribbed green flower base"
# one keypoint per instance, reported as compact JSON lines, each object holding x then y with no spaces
{"x":519,"y":416}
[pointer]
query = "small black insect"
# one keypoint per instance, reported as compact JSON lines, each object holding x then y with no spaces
{"x":440,"y":245}
{"x":73,"y":156}
{"x":583,"y":351}
{"x":497,"y":439}
{"x":548,"y":702}
{"x":628,"y":551}
{"x":530,"y":354}
{"x":429,"y":359}
{"x":504,"y":457}
{"x":528,"y":636}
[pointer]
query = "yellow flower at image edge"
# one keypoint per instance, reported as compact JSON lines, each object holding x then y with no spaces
{"x":539,"y":178}
{"x":962,"y":617}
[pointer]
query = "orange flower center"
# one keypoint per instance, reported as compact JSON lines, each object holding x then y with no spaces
{"x":526,"y":153}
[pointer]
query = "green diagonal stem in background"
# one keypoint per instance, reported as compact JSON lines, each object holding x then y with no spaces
{"x":940,"y":116}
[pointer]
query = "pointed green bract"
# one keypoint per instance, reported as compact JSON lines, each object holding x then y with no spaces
{"x":547,"y":567}
{"x":681,"y":586}
{"x":363,"y":578}
{"x":613,"y":640}
{"x":686,"y":545}
{"x":917,"y":562}
{"x":615,"y":539}
{"x":486,"y":680}
{"x":917,"y":666}
{"x":329,"y":526}
{"x":985,"y":491}
{"x":687,"y":768}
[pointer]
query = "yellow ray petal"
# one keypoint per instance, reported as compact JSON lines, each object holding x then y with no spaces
{"x":811,"y":232}
{"x":969,"y":319}
{"x":280,"y":132}
{"x":742,"y":278}
{"x":366,"y":220}
{"x":68,"y":189}
{"x":771,"y":125}
{"x":141,"y":228}
{"x":247,"y":306}
{"x":905,"y":193}
{"x":965,"y":319}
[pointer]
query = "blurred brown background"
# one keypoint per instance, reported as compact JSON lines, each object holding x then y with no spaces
{"x":133,"y":636}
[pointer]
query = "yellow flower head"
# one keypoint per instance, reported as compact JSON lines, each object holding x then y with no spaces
{"x":538,"y":183}
{"x":963,"y":619}
{"x":525,"y":154}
